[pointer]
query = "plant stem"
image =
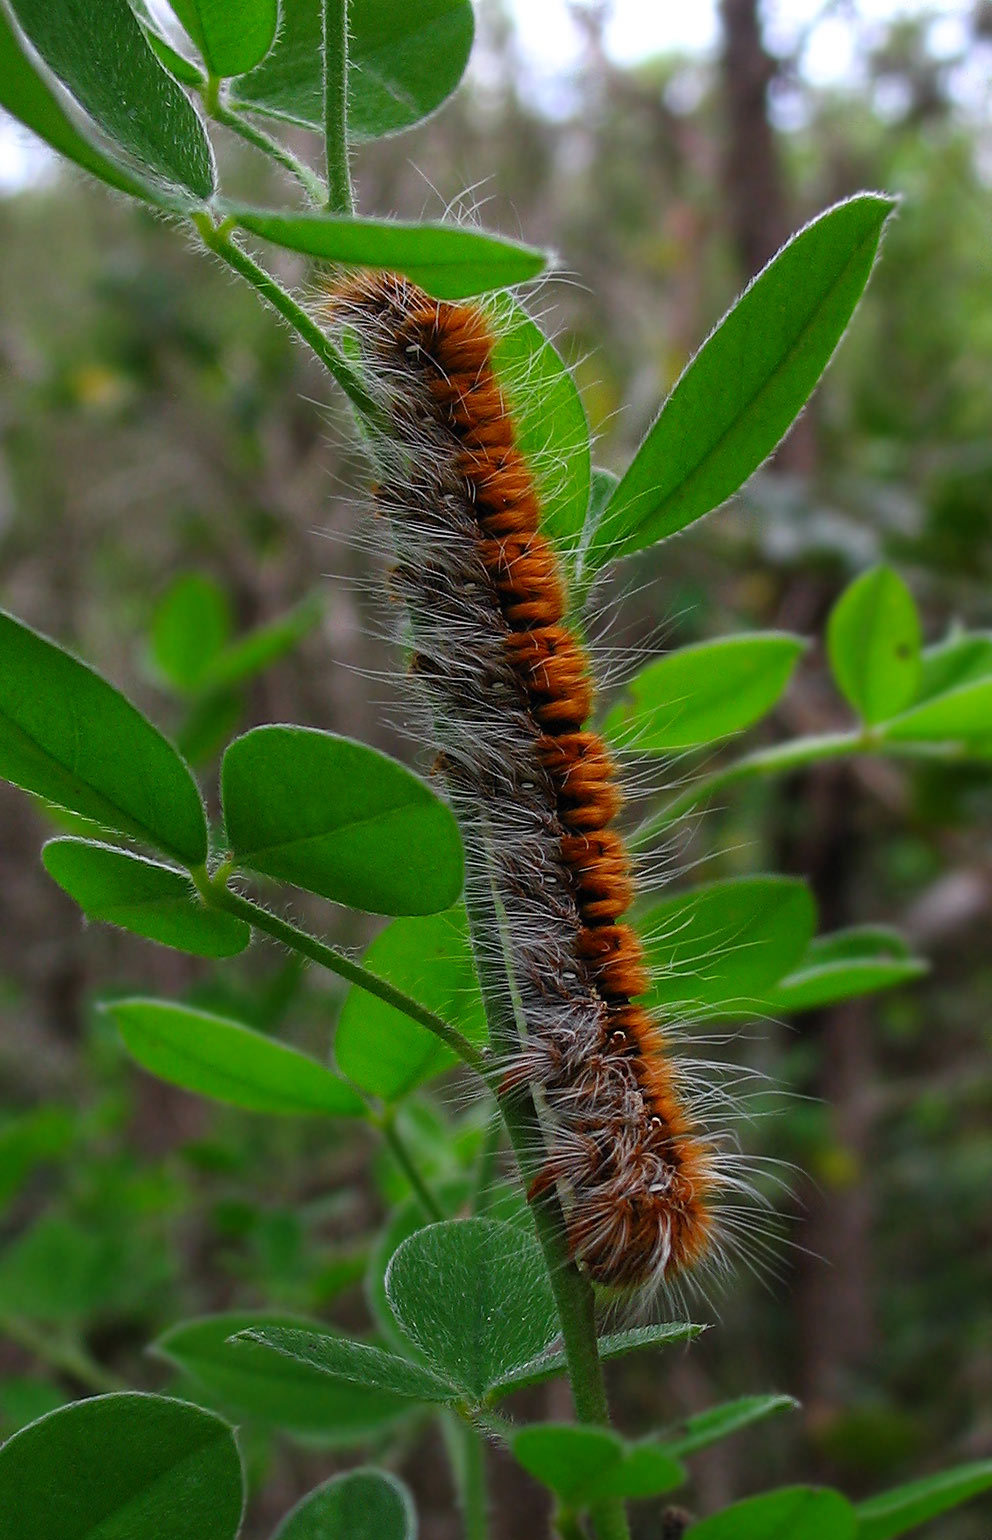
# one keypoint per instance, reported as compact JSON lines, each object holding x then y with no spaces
{"x":339,"y":196}
{"x":572,"y":1289}
{"x":568,"y":1526}
{"x":773,"y":761}
{"x":311,"y":183}
{"x":217,"y":896}
{"x":400,"y":1153}
{"x":474,"y":1498}
{"x":68,"y":1357}
{"x":217,"y":239}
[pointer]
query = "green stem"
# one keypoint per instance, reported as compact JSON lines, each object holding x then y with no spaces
{"x":400,"y":1153}
{"x":568,"y":1526}
{"x":773,"y":761}
{"x":572,"y":1289}
{"x":217,"y":239}
{"x":246,"y":130}
{"x":339,"y":195}
{"x":473,"y":1495}
{"x":217,"y":896}
{"x":67,"y":1357}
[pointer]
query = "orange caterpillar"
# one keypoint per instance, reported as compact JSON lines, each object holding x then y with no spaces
{"x":509,"y":692}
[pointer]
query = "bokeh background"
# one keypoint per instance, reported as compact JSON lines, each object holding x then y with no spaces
{"x":155,"y":424}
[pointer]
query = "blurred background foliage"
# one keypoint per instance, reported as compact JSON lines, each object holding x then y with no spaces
{"x":161,"y":438}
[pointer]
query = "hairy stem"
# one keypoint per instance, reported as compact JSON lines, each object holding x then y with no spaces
{"x":311,"y":183}
{"x":217,"y":895}
{"x":339,"y":195}
{"x":218,"y":240}
{"x":472,"y":1483}
{"x":402,"y":1157}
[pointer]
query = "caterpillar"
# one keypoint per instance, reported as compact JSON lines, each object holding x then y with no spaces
{"x":510,"y":694}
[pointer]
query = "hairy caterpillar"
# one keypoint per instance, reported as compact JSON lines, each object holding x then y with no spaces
{"x":510,"y":694}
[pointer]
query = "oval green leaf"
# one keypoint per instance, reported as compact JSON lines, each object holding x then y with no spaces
{"x":212,"y":1056}
{"x":582,"y":1465}
{"x":104,"y":61}
{"x":191,"y":624}
{"x":70,"y":737}
{"x":340,"y":819}
{"x":893,"y":1513}
{"x":552,"y":432}
{"x":747,"y":383}
{"x":355,"y":1363}
{"x":790,"y":1513}
{"x":403,"y":62}
{"x":474,"y":1297}
{"x":272,"y":1388}
{"x":377,"y":1046}
{"x":704,"y":692}
{"x":259,"y":649}
{"x":29,"y":98}
{"x":231,"y":38}
{"x":719,"y":1422}
{"x":721,"y":946}
{"x":446,"y":260}
{"x":873,"y":641}
{"x":122,"y":1465}
{"x":141,"y":896}
{"x":961,"y":659}
{"x":847,"y":963}
{"x":363,"y":1504}
{"x":962,"y":716}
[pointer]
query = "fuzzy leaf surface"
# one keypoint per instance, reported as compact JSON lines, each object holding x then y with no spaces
{"x":356,"y":1363}
{"x":103,"y":59}
{"x":447,"y":260}
{"x":338,"y":818}
{"x":271,"y":1388}
{"x":231,"y":38}
{"x":363,"y":1504}
{"x":70,"y":737}
{"x":405,"y":57}
{"x":748,"y":382}
{"x":550,"y":1365}
{"x":474,"y":1297}
{"x":719,"y":1422}
{"x":117,"y":1466}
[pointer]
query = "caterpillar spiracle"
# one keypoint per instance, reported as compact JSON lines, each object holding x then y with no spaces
{"x":510,"y":694}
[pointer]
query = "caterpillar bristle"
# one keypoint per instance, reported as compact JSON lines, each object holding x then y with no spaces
{"x":510,"y":693}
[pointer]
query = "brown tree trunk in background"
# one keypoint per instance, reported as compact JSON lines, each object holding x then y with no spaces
{"x":754,"y":183}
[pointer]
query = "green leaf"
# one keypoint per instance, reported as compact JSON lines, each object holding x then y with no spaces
{"x":857,"y":961}
{"x":582,"y":1465}
{"x":551,"y":428}
{"x":724,"y":944}
{"x":27,"y":1140}
{"x":231,"y":38}
{"x":29,"y":98}
{"x":474,"y":1297}
{"x":893,"y":1513}
{"x":404,"y":60}
{"x":363,"y":1504}
{"x":356,"y":1363}
{"x":447,"y":260}
{"x":789,"y":1513}
{"x":380,"y":1048}
{"x":141,"y":896}
{"x":57,"y":1271}
{"x":103,"y":59}
{"x":747,"y":383}
{"x":963,"y":716}
{"x":873,"y":639}
{"x":69,"y":736}
{"x":340,"y":819}
{"x":191,"y":624}
{"x":118,"y":1466}
{"x":719,"y":1422}
{"x":228,"y":1062}
{"x":959,"y":659}
{"x":256,"y":651}
{"x":271,"y":1388}
{"x":551,"y":1364}
{"x":704,"y":692}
